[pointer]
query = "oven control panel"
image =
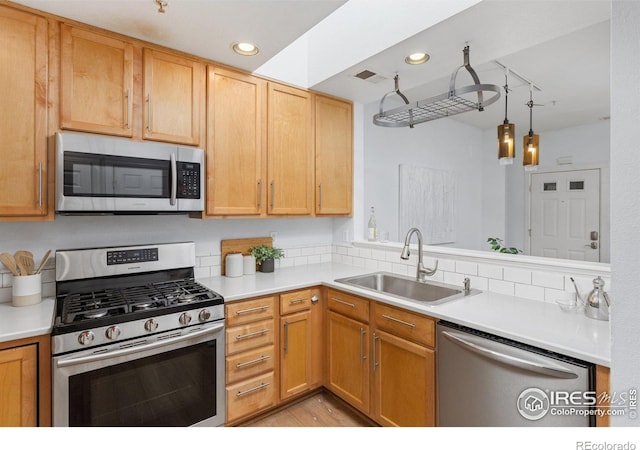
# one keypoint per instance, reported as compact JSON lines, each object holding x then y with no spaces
{"x":132,"y":256}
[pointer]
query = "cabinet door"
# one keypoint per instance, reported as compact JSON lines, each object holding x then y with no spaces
{"x":18,"y":387}
{"x":316,"y":378}
{"x":295,"y":353}
{"x":334,"y":156}
{"x":403,"y":382}
{"x":290,"y":151}
{"x":23,"y":127}
{"x":172,"y":90}
{"x":96,"y":82}
{"x":348,"y":364}
{"x":236,"y":143}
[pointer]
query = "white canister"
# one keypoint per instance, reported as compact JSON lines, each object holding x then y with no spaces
{"x":233,"y":263}
{"x":27,"y":290}
{"x":249,"y":262}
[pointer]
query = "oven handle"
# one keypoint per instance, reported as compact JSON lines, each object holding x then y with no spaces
{"x":138,"y":348}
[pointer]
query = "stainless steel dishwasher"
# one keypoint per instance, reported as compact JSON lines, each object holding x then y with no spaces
{"x":485,"y":380}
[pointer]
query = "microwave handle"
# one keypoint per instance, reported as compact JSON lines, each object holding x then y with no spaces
{"x":174,"y":179}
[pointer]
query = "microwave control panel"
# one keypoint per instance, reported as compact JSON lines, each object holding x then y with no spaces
{"x":188,"y":180}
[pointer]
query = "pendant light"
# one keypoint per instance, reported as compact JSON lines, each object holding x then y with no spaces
{"x":506,"y":131}
{"x":530,"y":141}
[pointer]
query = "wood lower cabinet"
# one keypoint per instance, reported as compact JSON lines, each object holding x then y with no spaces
{"x":236,"y":143}
{"x":334,"y":156}
{"x":23,"y":115}
{"x":96,"y":82}
{"x":250,"y":357}
{"x":172,"y":91}
{"x":25,"y":382}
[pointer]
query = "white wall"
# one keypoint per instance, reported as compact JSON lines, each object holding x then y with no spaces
{"x":625,"y":204}
{"x":443,"y":144}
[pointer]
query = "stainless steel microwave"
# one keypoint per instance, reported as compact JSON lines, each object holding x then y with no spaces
{"x":102,"y":175}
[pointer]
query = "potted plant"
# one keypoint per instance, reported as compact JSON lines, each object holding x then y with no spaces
{"x":265,"y":256}
{"x":496,"y":245}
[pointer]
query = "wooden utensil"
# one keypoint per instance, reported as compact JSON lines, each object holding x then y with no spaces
{"x":10,"y":263}
{"x":42,"y":263}
{"x":25,"y":258}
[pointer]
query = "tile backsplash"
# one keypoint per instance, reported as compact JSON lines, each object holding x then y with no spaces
{"x":536,"y":283}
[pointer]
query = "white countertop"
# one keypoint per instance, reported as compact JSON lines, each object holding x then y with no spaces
{"x":531,"y":322}
{"x":17,"y":322}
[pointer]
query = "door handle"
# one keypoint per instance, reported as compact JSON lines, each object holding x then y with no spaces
{"x":593,"y":245}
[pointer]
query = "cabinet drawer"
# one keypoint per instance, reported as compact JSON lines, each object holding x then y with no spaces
{"x":249,"y":310}
{"x":250,"y":364}
{"x":250,"y":396}
{"x":295,"y":301}
{"x":406,"y":324}
{"x":248,"y":337}
{"x":348,"y":305}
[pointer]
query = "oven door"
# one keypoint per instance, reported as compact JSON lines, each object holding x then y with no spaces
{"x":173,"y":379}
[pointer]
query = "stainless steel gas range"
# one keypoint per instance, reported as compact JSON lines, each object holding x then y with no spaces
{"x":136,"y":340}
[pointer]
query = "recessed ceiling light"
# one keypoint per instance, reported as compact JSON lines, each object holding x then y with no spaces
{"x":245,"y":48}
{"x":417,"y":58}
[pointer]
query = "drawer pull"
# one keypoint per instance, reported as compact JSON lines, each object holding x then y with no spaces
{"x":343,"y":302}
{"x":297,"y":300}
{"x":412,"y":325}
{"x":250,"y":335}
{"x":250,"y":310}
{"x":253,"y":361}
{"x":253,"y":389}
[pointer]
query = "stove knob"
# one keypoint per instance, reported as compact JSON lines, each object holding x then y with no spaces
{"x":184,"y":319}
{"x":151,"y":325}
{"x":86,"y":337}
{"x":112,"y":332}
{"x":204,"y":315}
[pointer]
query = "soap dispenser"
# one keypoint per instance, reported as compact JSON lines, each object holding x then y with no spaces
{"x":597,"y":305}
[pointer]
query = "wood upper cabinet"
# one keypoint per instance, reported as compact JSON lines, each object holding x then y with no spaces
{"x":19,"y":386}
{"x":290,"y":156}
{"x":23,"y":115}
{"x":334,"y":156}
{"x":172,"y":90}
{"x":236,"y":143}
{"x":96,"y":82}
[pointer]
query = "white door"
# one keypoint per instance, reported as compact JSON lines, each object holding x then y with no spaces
{"x":565,"y":215}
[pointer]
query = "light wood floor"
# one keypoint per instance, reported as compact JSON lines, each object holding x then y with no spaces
{"x":320,"y":410}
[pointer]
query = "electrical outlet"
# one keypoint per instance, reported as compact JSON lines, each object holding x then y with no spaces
{"x":273,"y":234}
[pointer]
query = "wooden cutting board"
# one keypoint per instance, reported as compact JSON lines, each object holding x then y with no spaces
{"x":241,"y":246}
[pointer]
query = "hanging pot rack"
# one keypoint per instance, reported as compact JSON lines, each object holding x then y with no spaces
{"x":455,"y":101}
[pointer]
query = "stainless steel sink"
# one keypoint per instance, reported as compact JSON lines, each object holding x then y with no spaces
{"x":432,"y":292}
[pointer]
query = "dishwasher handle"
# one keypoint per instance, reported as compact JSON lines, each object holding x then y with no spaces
{"x":467,"y":341}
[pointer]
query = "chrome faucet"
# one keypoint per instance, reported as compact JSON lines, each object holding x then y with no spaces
{"x":421,"y":272}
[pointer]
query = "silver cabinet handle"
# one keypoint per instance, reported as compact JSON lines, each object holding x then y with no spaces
{"x":149,"y":112}
{"x":253,"y":389}
{"x":412,"y":325}
{"x":128,"y":97}
{"x":253,"y":361}
{"x":273,"y":193}
{"x":363,"y":357}
{"x":174,"y":180}
{"x":315,"y":299}
{"x":250,"y":310}
{"x":343,"y":302}
{"x":259,"y":194}
{"x":251,"y":335}
{"x":297,"y":300}
{"x":483,"y":348}
{"x":286,"y":337}
{"x":320,"y":195}
{"x":40,"y":185}
{"x":375,"y":362}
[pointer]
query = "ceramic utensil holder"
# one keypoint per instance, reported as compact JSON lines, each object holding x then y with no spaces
{"x":249,"y":262}
{"x":233,"y":263}
{"x":27,"y":290}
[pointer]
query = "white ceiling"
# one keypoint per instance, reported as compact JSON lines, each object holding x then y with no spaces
{"x":560,"y":45}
